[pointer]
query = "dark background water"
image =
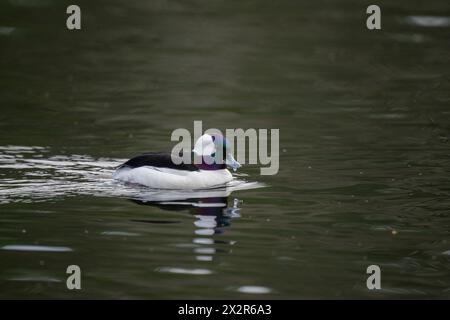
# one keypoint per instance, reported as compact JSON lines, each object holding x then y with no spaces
{"x":364,"y":124}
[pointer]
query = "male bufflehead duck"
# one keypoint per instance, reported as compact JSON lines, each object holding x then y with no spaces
{"x":158,"y":170}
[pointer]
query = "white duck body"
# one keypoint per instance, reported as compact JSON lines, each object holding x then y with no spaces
{"x":168,"y":178}
{"x":160,"y":171}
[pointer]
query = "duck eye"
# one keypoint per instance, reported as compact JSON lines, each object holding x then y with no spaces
{"x":213,"y":138}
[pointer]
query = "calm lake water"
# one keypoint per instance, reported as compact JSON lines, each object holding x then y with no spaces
{"x":364,"y":123}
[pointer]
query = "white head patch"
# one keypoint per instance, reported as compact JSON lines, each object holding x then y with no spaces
{"x":204,"y":146}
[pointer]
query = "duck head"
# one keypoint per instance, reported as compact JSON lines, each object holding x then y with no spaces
{"x":215,"y":153}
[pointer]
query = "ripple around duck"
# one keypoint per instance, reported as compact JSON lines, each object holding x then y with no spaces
{"x":28,"y":176}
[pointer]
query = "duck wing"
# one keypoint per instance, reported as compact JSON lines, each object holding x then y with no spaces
{"x":156,"y":159}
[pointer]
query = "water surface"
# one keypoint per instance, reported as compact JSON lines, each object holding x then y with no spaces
{"x":364,"y":125}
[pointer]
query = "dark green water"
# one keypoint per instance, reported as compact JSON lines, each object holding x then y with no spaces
{"x":364,"y":125}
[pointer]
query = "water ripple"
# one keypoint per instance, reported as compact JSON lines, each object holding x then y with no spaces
{"x":254,"y":290}
{"x":28,"y":176}
{"x":18,"y":247}
{"x":429,"y":21}
{"x":197,"y":272}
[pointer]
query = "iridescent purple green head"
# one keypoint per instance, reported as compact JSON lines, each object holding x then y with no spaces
{"x":213,"y":152}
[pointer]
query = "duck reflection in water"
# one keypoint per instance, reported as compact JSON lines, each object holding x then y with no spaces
{"x":213,"y":214}
{"x":213,"y":210}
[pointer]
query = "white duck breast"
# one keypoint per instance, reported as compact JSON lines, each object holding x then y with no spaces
{"x":167,"y":178}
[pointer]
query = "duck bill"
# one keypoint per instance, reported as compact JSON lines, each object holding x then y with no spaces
{"x":231,"y":162}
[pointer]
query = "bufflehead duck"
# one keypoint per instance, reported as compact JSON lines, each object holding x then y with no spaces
{"x":158,"y":170}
